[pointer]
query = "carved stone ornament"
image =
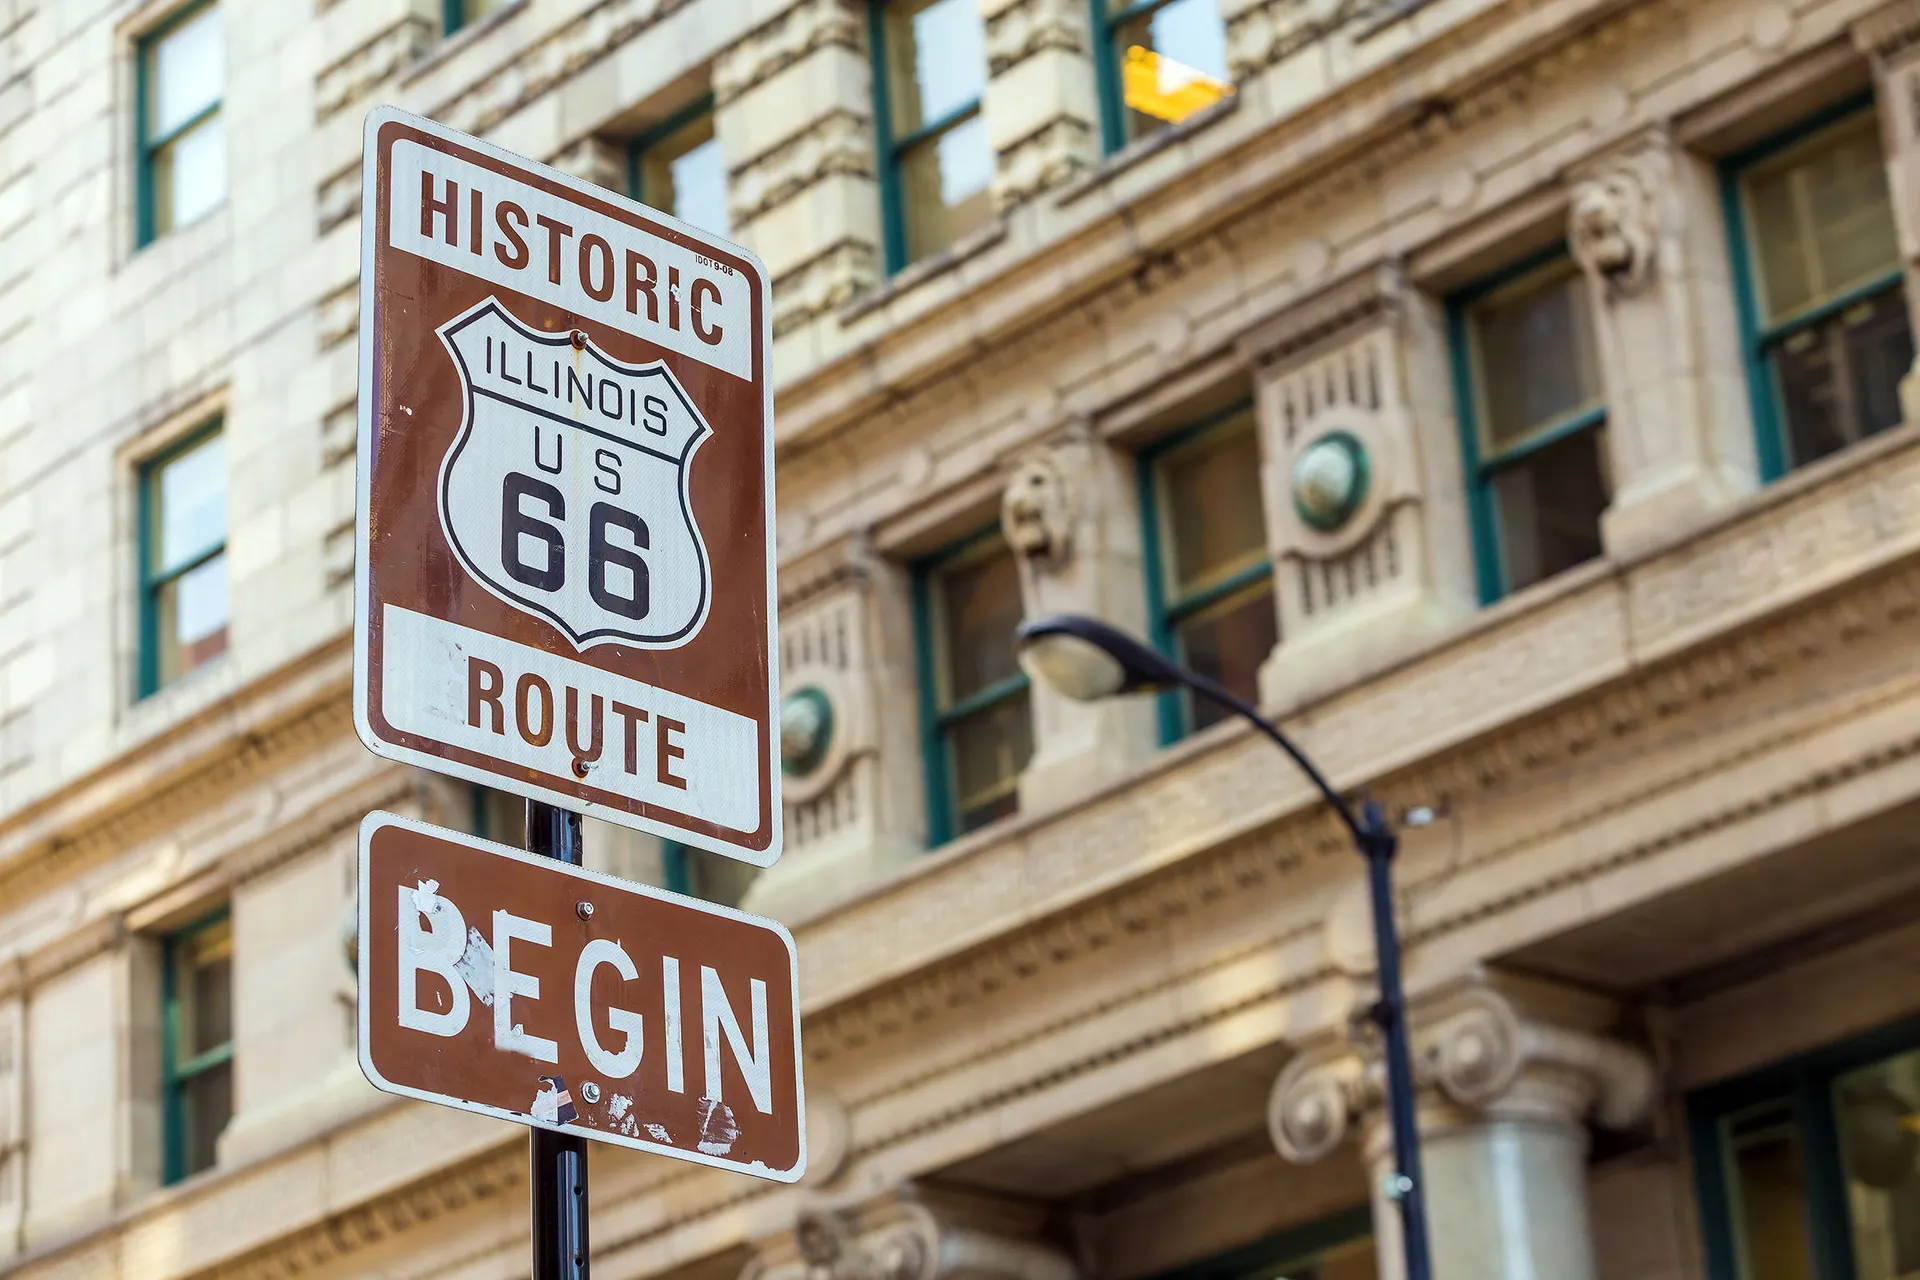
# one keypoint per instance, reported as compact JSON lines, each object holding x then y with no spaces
{"x":1478,"y":1049}
{"x":1036,"y":510}
{"x":903,"y":1237}
{"x":1614,"y":226}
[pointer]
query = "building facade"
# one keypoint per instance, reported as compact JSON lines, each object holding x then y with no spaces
{"x":1510,"y":397}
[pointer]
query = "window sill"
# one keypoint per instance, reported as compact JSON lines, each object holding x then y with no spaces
{"x":450,"y":46}
{"x":1138,"y":151}
{"x":915,"y":274}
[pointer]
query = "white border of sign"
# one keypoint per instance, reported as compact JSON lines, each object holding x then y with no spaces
{"x":362,"y":585}
{"x":378,"y":819}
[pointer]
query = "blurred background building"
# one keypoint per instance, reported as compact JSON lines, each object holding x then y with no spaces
{"x":1509,"y":395}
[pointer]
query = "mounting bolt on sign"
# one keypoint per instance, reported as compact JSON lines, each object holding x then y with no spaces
{"x":564,"y":589}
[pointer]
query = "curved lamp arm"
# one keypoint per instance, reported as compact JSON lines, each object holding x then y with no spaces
{"x":1060,"y":650}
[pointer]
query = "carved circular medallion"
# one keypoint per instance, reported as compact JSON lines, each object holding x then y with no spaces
{"x":806,"y":730}
{"x":1330,"y":479}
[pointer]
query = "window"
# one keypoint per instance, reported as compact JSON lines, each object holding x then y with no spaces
{"x":975,"y":710}
{"x":182,"y":138}
{"x":464,"y":13}
{"x":1209,"y":576}
{"x":1533,"y":420}
{"x":678,"y":169}
{"x":183,"y":559}
{"x":929,"y":68}
{"x":196,"y":1044}
{"x":1159,"y":62}
{"x":1810,"y":1169}
{"x":1337,"y":1247}
{"x":1818,"y":265}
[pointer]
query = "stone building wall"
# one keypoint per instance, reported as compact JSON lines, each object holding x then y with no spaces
{"x":1670,"y":783}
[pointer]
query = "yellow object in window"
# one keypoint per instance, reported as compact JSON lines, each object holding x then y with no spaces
{"x":1158,"y":86}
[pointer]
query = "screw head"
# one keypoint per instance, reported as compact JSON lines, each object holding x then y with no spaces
{"x":590,"y":1091}
{"x":1396,"y":1186}
{"x":584,"y":910}
{"x":579,"y":339}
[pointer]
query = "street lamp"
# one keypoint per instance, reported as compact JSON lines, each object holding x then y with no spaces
{"x":1085,"y":659}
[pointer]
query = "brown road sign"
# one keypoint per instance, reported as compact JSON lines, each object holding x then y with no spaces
{"x":565,"y":579}
{"x":522,"y":988}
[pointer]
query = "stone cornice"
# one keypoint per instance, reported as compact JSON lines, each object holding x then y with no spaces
{"x":298,"y":708}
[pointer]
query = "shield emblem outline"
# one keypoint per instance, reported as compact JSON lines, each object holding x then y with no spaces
{"x":581,"y":640}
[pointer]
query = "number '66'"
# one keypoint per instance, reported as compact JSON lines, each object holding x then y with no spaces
{"x":516,"y":522}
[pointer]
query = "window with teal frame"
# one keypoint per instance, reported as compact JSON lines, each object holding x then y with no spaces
{"x":184,"y":602}
{"x":1533,"y":422}
{"x":1209,"y":572}
{"x":196,"y":1050}
{"x":1809,"y":1169}
{"x":1819,"y":285}
{"x":180,"y":133}
{"x":456,"y":14}
{"x":975,"y":713}
{"x":677,"y":168}
{"x":929,"y":70}
{"x":1337,"y":1247}
{"x":1156,"y":63}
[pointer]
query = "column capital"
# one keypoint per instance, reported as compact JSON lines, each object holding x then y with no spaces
{"x":909,"y":1235}
{"x":1491,"y":1047}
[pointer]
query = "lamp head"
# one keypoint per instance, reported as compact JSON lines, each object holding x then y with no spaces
{"x":1086,"y":659}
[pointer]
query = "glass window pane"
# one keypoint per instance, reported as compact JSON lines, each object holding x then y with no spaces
{"x":192,"y":623}
{"x":1227,"y":642}
{"x":206,"y":989}
{"x":1822,"y":220}
{"x":685,"y":175}
{"x":936,"y":61}
{"x":206,"y":1104}
{"x":1215,"y":517}
{"x":186,"y":68}
{"x":1548,"y":507}
{"x":1839,"y":380}
{"x":943,"y":183}
{"x":1172,"y":62}
{"x":190,"y":175}
{"x":1877,"y":1110}
{"x":979,"y":603}
{"x":190,"y":513}
{"x":1768,"y":1193}
{"x":987,"y":751}
{"x":473,"y":10}
{"x":1534,"y":355}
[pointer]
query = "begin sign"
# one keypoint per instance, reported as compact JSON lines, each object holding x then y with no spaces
{"x":522,"y":988}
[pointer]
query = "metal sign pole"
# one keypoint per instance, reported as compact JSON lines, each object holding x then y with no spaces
{"x":557,"y":1176}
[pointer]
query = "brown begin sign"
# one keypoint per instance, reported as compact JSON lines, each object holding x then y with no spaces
{"x":565,"y":579}
{"x":522,"y":988}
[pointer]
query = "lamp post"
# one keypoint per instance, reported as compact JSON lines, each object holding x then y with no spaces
{"x":1085,"y":659}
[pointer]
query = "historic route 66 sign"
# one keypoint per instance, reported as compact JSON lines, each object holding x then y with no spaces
{"x":564,"y":585}
{"x":566,"y":489}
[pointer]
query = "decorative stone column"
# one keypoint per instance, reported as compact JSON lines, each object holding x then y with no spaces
{"x":853,"y":793}
{"x":911,"y":1235}
{"x":793,"y":104}
{"x":1072,"y":518}
{"x":1890,"y":37}
{"x":1361,"y":479}
{"x":1507,"y":1071}
{"x":1041,"y":107}
{"x":1646,"y":228}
